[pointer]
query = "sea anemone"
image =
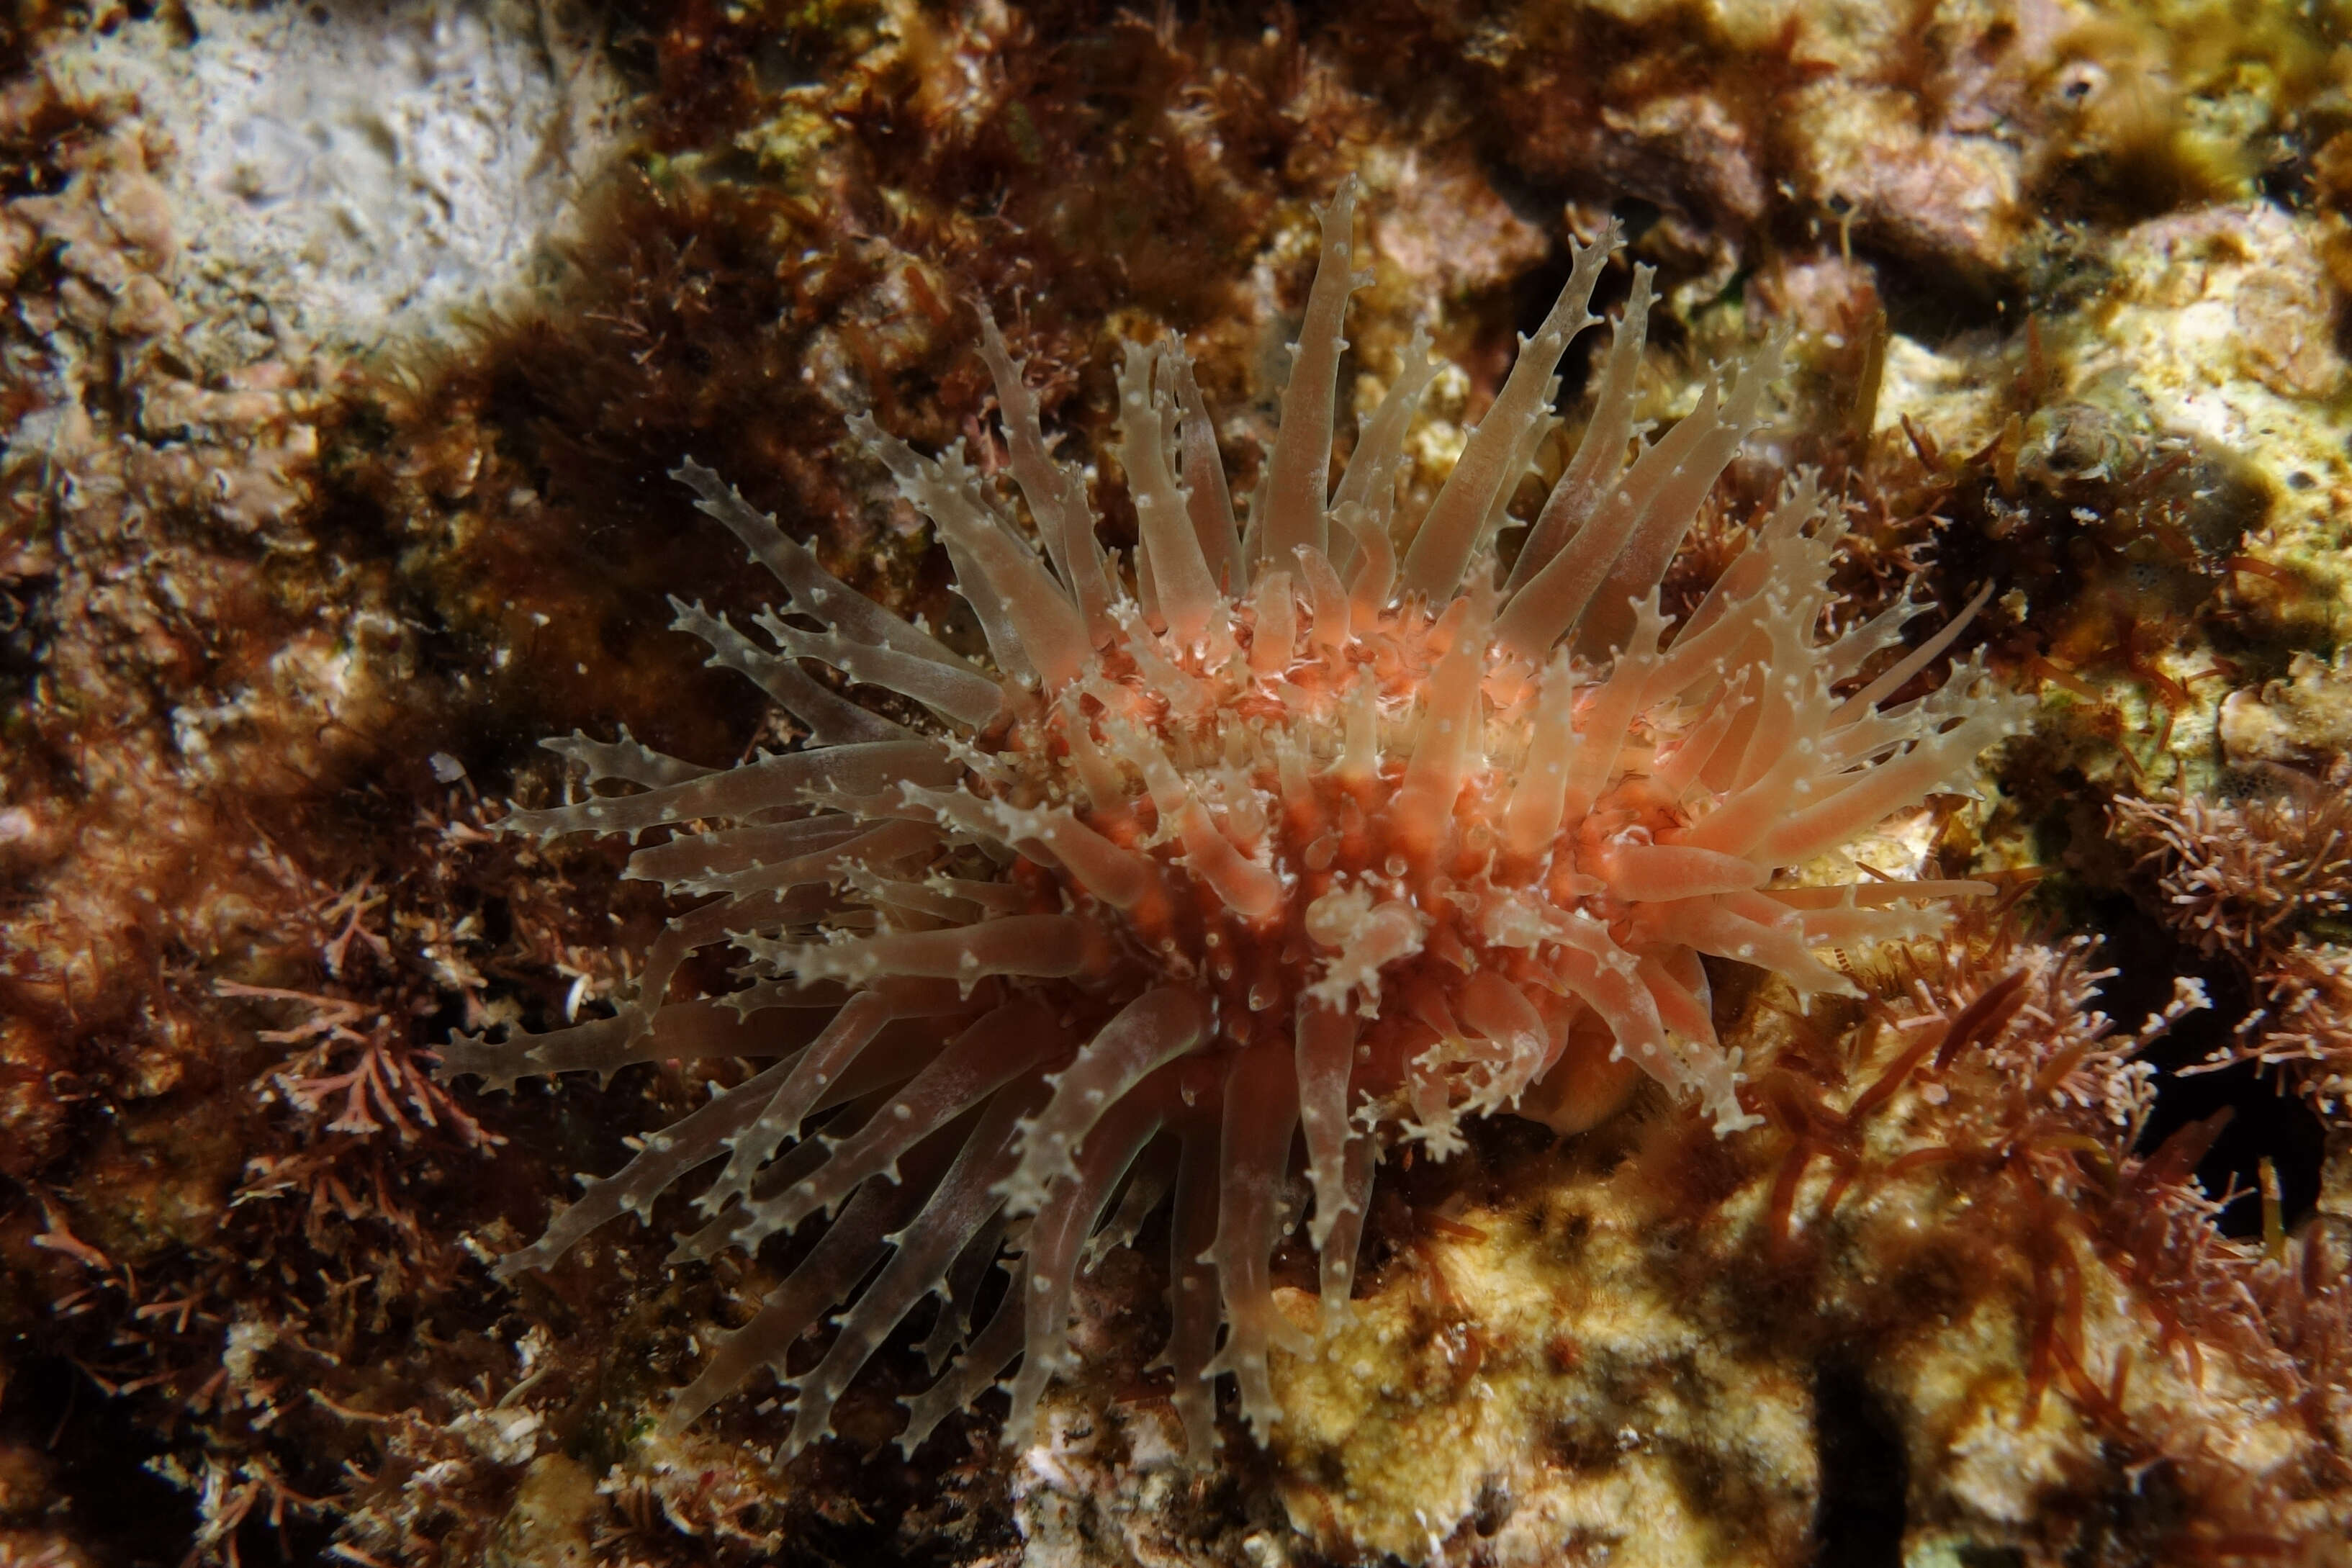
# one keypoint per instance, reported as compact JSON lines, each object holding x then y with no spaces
{"x":1275,"y":839}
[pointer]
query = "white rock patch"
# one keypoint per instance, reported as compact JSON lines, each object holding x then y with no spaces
{"x":348,"y":174}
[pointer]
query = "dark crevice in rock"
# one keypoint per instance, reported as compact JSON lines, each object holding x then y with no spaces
{"x":1859,"y":1520}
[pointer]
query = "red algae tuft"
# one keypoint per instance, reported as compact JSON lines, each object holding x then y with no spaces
{"x":1274,"y":835}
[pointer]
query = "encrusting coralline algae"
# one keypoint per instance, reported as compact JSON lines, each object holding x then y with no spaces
{"x":1277,"y":835}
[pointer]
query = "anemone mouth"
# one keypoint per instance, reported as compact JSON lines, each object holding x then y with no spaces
{"x":1279,"y":849}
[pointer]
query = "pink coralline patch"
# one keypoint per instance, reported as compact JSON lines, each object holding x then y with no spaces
{"x":1280,"y":846}
{"x":1695,"y":129}
{"x":1442,"y":225}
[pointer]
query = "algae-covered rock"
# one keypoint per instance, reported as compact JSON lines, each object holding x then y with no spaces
{"x":347,"y":351}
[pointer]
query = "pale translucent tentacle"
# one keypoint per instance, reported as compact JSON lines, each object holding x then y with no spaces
{"x":1055,"y":491}
{"x":1602,"y":452}
{"x":1261,"y":1115}
{"x":1449,"y":534}
{"x":1299,"y":471}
